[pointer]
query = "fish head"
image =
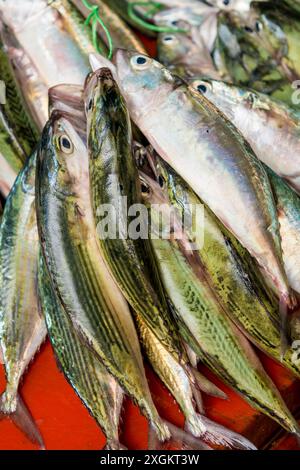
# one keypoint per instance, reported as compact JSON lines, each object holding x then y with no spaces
{"x":223,"y":95}
{"x":143,"y":81}
{"x":173,"y":47}
{"x":64,"y":155}
{"x":104,"y":106}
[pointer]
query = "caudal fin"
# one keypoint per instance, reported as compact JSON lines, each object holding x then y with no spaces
{"x":217,"y":434}
{"x":22,"y":418}
{"x":207,"y":386}
{"x":180,"y":439}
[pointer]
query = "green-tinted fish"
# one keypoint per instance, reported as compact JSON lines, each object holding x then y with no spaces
{"x":176,"y":380}
{"x":114,"y":180}
{"x":254,"y":51}
{"x":207,"y":151}
{"x":202,"y":319}
{"x":121,"y":34}
{"x":97,"y":389}
{"x":18,"y":133}
{"x":88,"y":293}
{"x":22,"y":328}
{"x":31,"y":28}
{"x":234,"y":276}
{"x":278,"y":146}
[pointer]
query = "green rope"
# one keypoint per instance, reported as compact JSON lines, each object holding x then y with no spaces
{"x":155,"y":6}
{"x":95,"y":18}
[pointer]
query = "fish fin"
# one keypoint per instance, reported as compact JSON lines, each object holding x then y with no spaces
{"x":198,"y":399}
{"x":216,"y":434}
{"x":180,"y":440}
{"x":207,"y":386}
{"x":284,"y":335}
{"x":23,"y":419}
{"x":114,"y":445}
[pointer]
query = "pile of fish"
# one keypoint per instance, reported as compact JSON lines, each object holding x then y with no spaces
{"x":212,"y":123}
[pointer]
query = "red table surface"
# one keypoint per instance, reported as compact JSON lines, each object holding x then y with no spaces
{"x":66,"y":424}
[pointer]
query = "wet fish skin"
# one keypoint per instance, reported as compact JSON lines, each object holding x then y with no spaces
{"x":206,"y":327}
{"x":250,"y":111}
{"x":22,"y":328}
{"x":90,"y":297}
{"x":277,"y":146}
{"x":96,"y":388}
{"x":207,"y":151}
{"x":234,"y":276}
{"x":175,"y":379}
{"x":114,"y":175}
{"x":14,"y":114}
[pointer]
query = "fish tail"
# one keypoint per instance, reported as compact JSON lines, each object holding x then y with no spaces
{"x":206,"y":385}
{"x":22,"y":418}
{"x":216,"y":434}
{"x":114,"y":445}
{"x":180,"y":440}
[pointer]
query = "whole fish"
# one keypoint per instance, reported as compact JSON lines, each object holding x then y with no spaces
{"x":114,"y":179}
{"x":207,"y":151}
{"x":97,"y":389}
{"x":233,"y":275}
{"x":22,"y":328}
{"x":278,"y":146}
{"x":121,"y":34}
{"x":176,"y":380}
{"x":89,"y":295}
{"x":254,"y":51}
{"x":31,"y":28}
{"x":203,"y":321}
{"x":186,"y":54}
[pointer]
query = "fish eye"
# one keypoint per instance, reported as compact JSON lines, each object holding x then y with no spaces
{"x":90,"y":104}
{"x":140,"y":62}
{"x":65,"y":144}
{"x":258,"y":26}
{"x":200,"y":86}
{"x":248,"y":29}
{"x":169,"y":39}
{"x":226,"y":2}
{"x":161,"y":181}
{"x":145,"y":188}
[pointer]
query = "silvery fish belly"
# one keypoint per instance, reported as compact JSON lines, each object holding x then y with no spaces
{"x":207,"y":151}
